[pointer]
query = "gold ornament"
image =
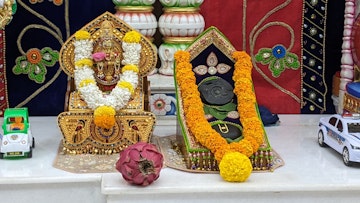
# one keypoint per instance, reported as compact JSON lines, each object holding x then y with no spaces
{"x":133,"y":122}
{"x":6,"y":12}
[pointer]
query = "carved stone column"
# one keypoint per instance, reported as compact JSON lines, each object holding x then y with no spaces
{"x":179,"y":25}
{"x":138,"y":14}
{"x":347,"y":63}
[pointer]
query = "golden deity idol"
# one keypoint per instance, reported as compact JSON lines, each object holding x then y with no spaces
{"x":108,"y":72}
{"x":108,"y":69}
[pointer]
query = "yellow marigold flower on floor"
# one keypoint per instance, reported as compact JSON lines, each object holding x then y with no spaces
{"x":82,"y":34}
{"x":104,"y":117}
{"x":235,"y":167}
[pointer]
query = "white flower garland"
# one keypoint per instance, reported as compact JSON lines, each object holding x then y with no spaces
{"x":86,"y":83}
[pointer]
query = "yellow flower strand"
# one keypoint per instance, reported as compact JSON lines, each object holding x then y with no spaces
{"x":86,"y":82}
{"x":130,"y":67}
{"x":200,"y":127}
{"x":124,"y":84}
{"x":132,"y":37}
{"x":82,"y":34}
{"x":84,"y":62}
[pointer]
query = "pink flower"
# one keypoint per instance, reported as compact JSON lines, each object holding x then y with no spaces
{"x":140,"y":163}
{"x":98,"y":56}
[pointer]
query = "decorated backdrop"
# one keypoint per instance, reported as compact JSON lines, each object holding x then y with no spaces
{"x":295,"y":46}
{"x":33,"y":40}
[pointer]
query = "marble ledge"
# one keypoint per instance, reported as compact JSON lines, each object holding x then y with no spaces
{"x":161,"y":83}
{"x":83,"y":178}
{"x":165,"y":125}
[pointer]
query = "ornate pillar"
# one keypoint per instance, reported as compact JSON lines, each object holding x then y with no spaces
{"x":179,"y":25}
{"x":347,"y":63}
{"x":138,"y":14}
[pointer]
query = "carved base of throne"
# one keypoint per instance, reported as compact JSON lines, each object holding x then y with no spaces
{"x":351,"y":103}
{"x":199,"y":158}
{"x":81,"y":136}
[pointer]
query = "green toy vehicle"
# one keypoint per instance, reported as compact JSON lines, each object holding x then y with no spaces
{"x":17,"y":140}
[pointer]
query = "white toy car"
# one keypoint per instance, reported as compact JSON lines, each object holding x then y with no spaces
{"x":17,"y":140}
{"x":342,"y":133}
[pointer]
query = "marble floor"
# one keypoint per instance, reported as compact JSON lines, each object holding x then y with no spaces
{"x":310,"y":173}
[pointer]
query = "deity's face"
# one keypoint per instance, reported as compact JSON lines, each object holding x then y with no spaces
{"x":107,"y":44}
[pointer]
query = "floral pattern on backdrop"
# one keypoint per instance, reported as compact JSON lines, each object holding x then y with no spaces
{"x":303,"y":30}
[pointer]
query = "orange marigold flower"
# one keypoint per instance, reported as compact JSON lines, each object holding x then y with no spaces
{"x":241,"y":56}
{"x":182,"y":56}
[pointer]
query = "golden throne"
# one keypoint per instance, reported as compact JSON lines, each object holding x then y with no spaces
{"x":132,"y":121}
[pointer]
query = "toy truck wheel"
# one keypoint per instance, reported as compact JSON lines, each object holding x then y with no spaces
{"x":1,"y":155}
{"x":33,"y":142}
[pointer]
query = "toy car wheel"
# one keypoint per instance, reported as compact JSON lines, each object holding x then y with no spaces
{"x":321,"y":139}
{"x":30,"y":153}
{"x":33,"y":142}
{"x":346,"y":157}
{"x":1,"y":155}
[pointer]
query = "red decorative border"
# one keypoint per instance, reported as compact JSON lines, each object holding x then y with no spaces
{"x":3,"y":89}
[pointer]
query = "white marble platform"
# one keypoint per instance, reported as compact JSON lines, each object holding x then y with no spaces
{"x":35,"y":180}
{"x":310,"y":174}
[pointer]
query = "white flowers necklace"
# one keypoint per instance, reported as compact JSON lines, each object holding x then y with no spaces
{"x":103,"y":104}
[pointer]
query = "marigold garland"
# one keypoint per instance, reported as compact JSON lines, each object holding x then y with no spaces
{"x":202,"y":130}
{"x":105,"y":116}
{"x":106,"y":104}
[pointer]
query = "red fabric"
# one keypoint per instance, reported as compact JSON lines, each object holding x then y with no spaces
{"x":227,"y":16}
